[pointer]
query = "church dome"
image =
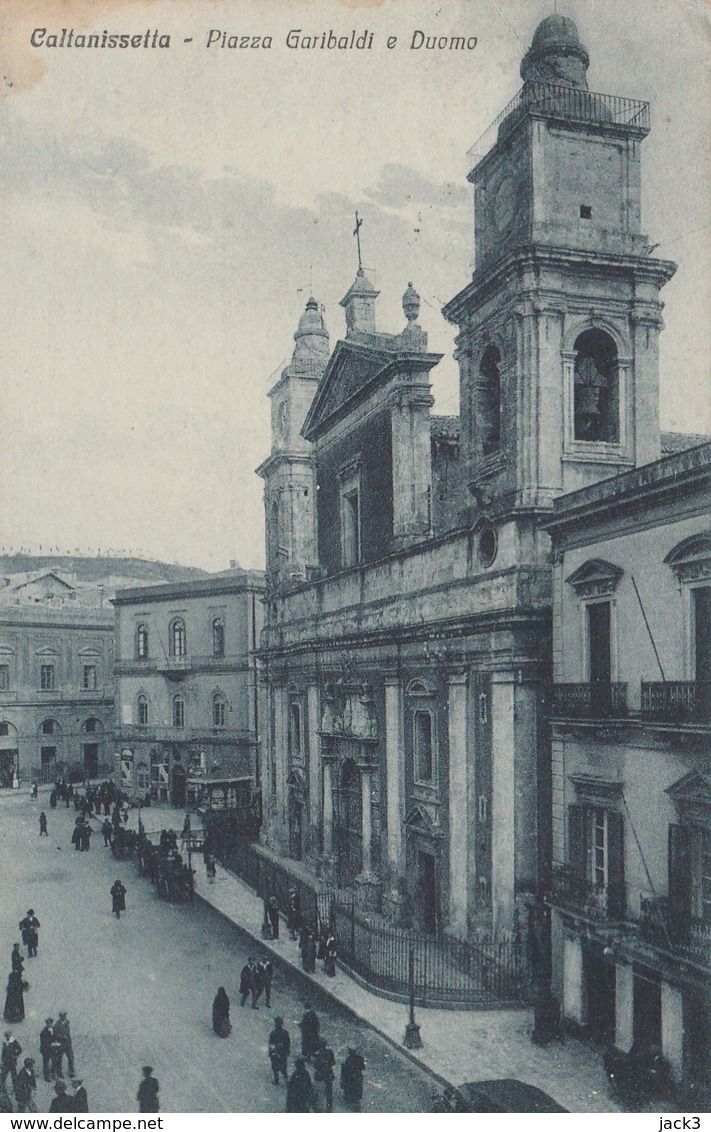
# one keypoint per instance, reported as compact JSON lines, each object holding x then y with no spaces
{"x":311,"y":336}
{"x":556,"y":54}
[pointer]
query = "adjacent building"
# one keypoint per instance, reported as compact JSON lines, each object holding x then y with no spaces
{"x":631,"y":741}
{"x":56,"y":678}
{"x":186,"y":687}
{"x":406,"y":645}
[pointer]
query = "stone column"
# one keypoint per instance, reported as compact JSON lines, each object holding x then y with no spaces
{"x":503,"y":801}
{"x":673,"y":1029}
{"x":458,"y":888}
{"x":327,"y":808}
{"x":313,"y":708}
{"x":280,"y":695}
{"x":573,"y":979}
{"x":394,"y":765}
{"x":624,"y":1006}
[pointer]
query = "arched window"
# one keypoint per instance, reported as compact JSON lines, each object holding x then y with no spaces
{"x":218,"y":637}
{"x":178,"y":711}
{"x":219,"y":710}
{"x":143,"y":777}
{"x":142,"y":711}
{"x":489,"y":401}
{"x":142,"y":642}
{"x":178,"y":639}
{"x":596,"y":408}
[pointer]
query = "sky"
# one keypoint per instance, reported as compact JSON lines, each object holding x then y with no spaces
{"x":164,"y":215}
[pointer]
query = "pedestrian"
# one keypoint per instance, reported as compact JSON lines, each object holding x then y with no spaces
{"x":80,"y":1098}
{"x":63,"y":1101}
{"x":86,"y":832}
{"x":35,"y":790}
{"x":325,"y":1071}
{"x":16,"y":961}
{"x":257,"y":985}
{"x":62,"y":1033}
{"x":106,"y":829}
{"x":46,"y":1039}
{"x":309,"y":1026}
{"x":118,"y":898}
{"x":15,"y":998}
{"x":77,"y":835}
{"x":148,"y":1092}
{"x":30,"y":932}
{"x":273,"y":916}
{"x":57,"y":1055}
{"x":352,"y":1079}
{"x":246,"y":980}
{"x":299,"y":1089}
{"x":308,"y":950}
{"x":11,"y":1050}
{"x":43,"y":825}
{"x":25,"y":1086}
{"x":330,"y":954}
{"x":279,"y":1050}
{"x":53,"y":800}
{"x":221,"y":1014}
{"x":266,"y":975}
{"x":210,"y":867}
{"x":293,"y":919}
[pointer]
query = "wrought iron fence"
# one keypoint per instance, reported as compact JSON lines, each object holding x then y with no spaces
{"x":567,"y":104}
{"x":446,"y":971}
{"x":268,"y":878}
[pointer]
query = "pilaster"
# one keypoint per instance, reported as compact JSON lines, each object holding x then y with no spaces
{"x":457,"y":724}
{"x":503,"y":802}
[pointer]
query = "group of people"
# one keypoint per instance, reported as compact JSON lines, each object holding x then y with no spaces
{"x":17,"y":984}
{"x":305,"y":1093}
{"x":256,"y":979}
{"x":314,"y":944}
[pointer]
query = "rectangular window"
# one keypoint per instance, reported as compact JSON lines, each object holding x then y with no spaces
{"x":4,"y":677}
{"x":178,"y":713}
{"x":350,"y":527}
{"x":701,"y":609}
{"x":143,"y":712}
{"x":88,"y":680}
{"x":47,"y":678}
{"x":598,"y":818}
{"x":422,"y":736}
{"x":599,"y":642}
{"x":219,"y":713}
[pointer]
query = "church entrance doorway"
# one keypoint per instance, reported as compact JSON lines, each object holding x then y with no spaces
{"x":349,"y":824}
{"x":427,"y":869}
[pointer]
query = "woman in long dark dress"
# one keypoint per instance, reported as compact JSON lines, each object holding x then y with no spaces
{"x":18,"y":963}
{"x":118,"y":898}
{"x":221,"y":1014}
{"x":15,"y":999}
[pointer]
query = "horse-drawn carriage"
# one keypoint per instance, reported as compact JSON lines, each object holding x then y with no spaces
{"x":175,"y":881}
{"x":123,"y":843}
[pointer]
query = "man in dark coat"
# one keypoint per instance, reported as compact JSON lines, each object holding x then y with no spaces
{"x":324,"y":1071}
{"x":279,"y":1049}
{"x":299,"y":1089}
{"x":30,"y":932}
{"x":80,"y":1098}
{"x":257,"y":985}
{"x":43,"y":825}
{"x":273,"y":915}
{"x":352,"y":1079}
{"x":308,"y":950}
{"x":266,"y":975}
{"x":11,"y":1050}
{"x":25,"y":1087}
{"x":148,"y":1092}
{"x":293,"y":920}
{"x":118,"y":898}
{"x":309,"y":1026}
{"x":246,"y":981}
{"x":63,"y":1102}
{"x":63,"y":1034}
{"x":46,"y":1042}
{"x":106,"y":829}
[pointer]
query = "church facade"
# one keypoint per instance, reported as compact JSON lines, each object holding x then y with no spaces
{"x":406,"y":648}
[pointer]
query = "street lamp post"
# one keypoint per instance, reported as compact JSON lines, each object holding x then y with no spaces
{"x":412,"y":1039}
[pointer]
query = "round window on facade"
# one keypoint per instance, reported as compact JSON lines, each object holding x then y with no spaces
{"x":488,"y":546}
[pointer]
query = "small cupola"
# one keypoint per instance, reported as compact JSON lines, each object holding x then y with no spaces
{"x":359,"y":305}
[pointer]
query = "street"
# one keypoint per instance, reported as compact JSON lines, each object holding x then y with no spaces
{"x":139,"y":990}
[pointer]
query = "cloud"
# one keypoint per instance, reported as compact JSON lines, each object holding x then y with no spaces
{"x":399,"y":186}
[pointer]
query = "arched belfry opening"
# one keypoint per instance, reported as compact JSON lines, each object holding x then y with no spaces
{"x":596,"y":408}
{"x":489,"y":401}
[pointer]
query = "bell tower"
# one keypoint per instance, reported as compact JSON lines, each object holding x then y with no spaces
{"x":558,"y":329}
{"x":288,"y":473}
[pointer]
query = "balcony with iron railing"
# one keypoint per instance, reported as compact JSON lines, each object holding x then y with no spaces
{"x":687,"y":937}
{"x":588,"y":701}
{"x":676,"y":701}
{"x":564,"y":104}
{"x":574,"y":892}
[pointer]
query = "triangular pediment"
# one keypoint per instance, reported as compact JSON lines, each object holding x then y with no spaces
{"x":595,"y":576}
{"x":351,"y":369}
{"x":693,"y":787}
{"x":418,"y":820}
